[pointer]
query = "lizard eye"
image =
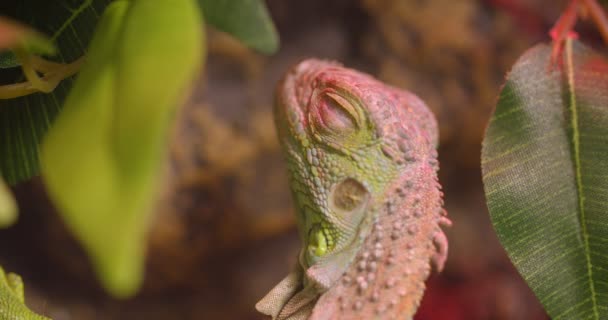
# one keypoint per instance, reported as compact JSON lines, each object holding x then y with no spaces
{"x":331,"y":113}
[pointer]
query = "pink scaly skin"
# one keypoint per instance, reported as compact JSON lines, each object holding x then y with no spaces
{"x":441,"y":243}
{"x":363,"y":168}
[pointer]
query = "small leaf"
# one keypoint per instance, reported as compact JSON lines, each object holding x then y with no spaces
{"x":103,"y":158}
{"x":247,"y":20}
{"x":8,"y":209}
{"x":545,"y":174}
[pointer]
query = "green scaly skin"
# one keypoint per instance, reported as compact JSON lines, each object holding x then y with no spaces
{"x":362,"y":164}
{"x":12,"y":301}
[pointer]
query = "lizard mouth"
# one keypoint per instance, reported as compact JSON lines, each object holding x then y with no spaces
{"x":317,"y":243}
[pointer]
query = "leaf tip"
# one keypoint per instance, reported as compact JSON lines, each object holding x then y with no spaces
{"x":120,"y":270}
{"x":8,"y":208}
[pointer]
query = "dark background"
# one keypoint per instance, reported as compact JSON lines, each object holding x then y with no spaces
{"x":224,"y":232}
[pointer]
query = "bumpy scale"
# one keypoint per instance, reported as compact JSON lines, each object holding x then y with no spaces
{"x":363,"y":167}
{"x":12,"y":302}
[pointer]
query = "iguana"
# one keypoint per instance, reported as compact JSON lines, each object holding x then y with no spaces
{"x":12,"y":301}
{"x":362,"y":163}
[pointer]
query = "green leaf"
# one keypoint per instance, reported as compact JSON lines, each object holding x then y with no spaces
{"x":24,"y":121}
{"x":8,"y":209}
{"x":545,"y":173}
{"x":12,"y":299}
{"x":247,"y":20}
{"x":8,"y":60}
{"x":102,"y":161}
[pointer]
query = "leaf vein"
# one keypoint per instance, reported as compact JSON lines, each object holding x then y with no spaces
{"x":578,"y":173}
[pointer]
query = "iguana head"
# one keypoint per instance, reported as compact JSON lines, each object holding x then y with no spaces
{"x":362,"y":162}
{"x":346,"y":137}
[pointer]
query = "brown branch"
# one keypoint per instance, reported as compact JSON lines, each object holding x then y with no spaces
{"x":598,"y":16}
{"x":53,"y":73}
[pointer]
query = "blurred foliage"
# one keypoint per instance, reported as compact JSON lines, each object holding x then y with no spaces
{"x":247,"y":20}
{"x":25,"y":120}
{"x":115,"y":122}
{"x":545,"y":177}
{"x":8,"y":209}
{"x":105,"y":154}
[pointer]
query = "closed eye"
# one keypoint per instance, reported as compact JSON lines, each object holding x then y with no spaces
{"x":331,"y":113}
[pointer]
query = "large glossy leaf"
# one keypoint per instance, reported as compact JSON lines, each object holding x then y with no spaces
{"x":545,"y":172}
{"x":24,"y":121}
{"x":247,"y":20}
{"x":102,"y":159}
